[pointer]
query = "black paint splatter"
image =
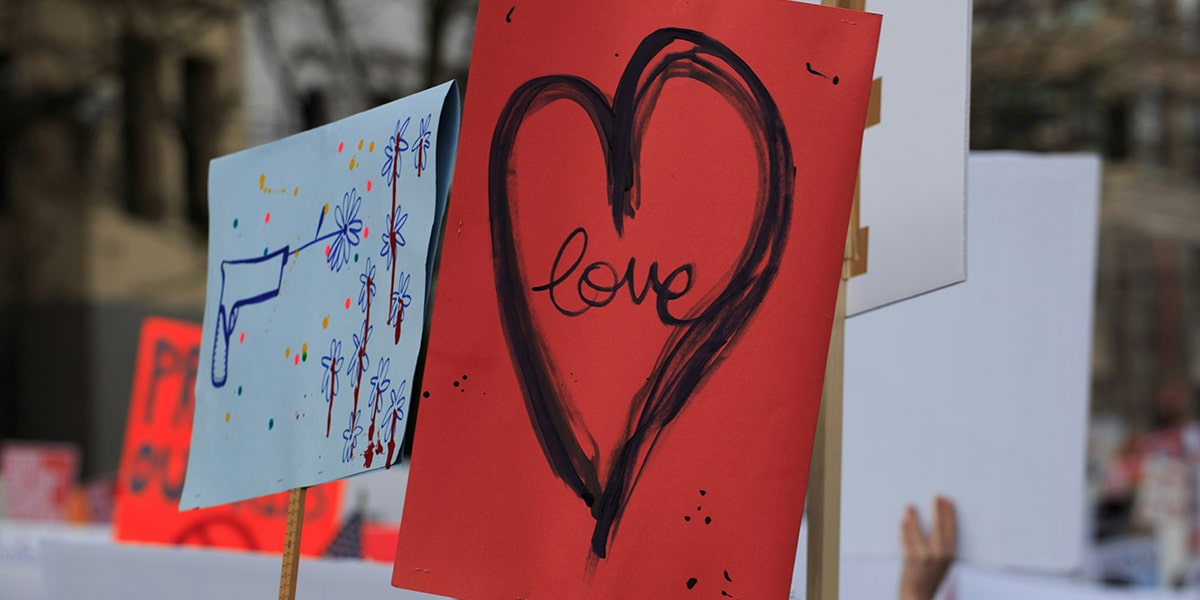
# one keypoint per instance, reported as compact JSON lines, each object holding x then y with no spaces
{"x":425,"y":395}
{"x":455,"y":384}
{"x":727,"y":577}
{"x":687,"y":518}
{"x":691,"y":583}
{"x":816,"y":72}
{"x":707,"y":520}
{"x":702,"y":492}
{"x":508,"y":17}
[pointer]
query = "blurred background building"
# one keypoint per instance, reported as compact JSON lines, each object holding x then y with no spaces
{"x":108,"y":116}
{"x":109,"y":113}
{"x":1120,"y":78}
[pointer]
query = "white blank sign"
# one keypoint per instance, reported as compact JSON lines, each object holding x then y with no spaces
{"x":914,"y":160}
{"x":980,"y":391}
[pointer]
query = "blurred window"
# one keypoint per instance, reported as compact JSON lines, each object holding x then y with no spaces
{"x":381,"y":97}
{"x":1193,"y":131}
{"x":1146,"y":15}
{"x":1085,"y":126}
{"x":1188,"y":12}
{"x":1149,"y":119}
{"x":139,"y":76}
{"x":6,"y":127}
{"x":199,"y":115}
{"x":1116,"y":146}
{"x":1081,"y":12}
{"x":314,"y":109}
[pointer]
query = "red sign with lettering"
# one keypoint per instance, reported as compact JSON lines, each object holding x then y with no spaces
{"x":636,"y":293}
{"x":158,"y":433}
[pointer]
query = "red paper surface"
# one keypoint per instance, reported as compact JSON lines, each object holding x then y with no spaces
{"x":38,"y":479}
{"x":634,"y":303}
{"x":158,"y":433}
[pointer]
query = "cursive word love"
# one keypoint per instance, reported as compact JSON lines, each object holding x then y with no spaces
{"x":599,"y":282}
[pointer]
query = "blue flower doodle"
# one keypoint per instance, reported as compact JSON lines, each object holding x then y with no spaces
{"x":395,"y":224}
{"x":420,"y":148}
{"x":395,"y":408}
{"x":390,"y":160}
{"x":380,"y":384}
{"x":400,"y":296}
{"x":332,"y":364}
{"x":367,"y":279}
{"x":350,"y":435}
{"x":360,"y":347}
{"x":349,"y":230}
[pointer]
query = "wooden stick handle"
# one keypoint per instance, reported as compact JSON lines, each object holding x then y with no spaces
{"x":291,"y":544}
{"x":825,"y":471}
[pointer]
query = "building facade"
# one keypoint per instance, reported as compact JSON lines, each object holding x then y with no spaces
{"x":109,"y":113}
{"x":1120,"y":78}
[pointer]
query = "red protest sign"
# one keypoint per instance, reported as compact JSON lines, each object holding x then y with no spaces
{"x":158,"y":433}
{"x":39,"y":478}
{"x":635,"y":300}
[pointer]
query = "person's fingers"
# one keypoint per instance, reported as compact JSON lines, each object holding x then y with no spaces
{"x":914,"y":538}
{"x":946,"y":527}
{"x":943,"y":534}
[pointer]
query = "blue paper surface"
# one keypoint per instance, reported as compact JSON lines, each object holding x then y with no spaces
{"x":320,"y":260}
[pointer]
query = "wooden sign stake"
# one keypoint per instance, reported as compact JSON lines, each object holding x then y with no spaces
{"x":291,"y":544}
{"x":825,"y":472}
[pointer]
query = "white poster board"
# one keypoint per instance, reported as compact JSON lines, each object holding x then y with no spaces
{"x":980,"y":392}
{"x":913,"y":172}
{"x":106,"y":570}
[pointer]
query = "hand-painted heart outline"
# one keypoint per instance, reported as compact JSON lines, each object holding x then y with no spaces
{"x":692,"y":349}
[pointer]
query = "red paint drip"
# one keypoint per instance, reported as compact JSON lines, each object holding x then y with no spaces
{"x":340,"y":144}
{"x":328,"y":249}
{"x":332,"y":383}
{"x":366,"y":232}
{"x":242,"y":338}
{"x":267,"y":218}
{"x":371,"y":430}
{"x":362,"y":350}
{"x":399,"y":320}
{"x":372,"y":449}
{"x":392,"y":235}
{"x":391,"y":443}
{"x":368,"y":185}
{"x":420,"y":157}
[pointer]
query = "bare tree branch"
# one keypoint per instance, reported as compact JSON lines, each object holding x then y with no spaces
{"x":282,"y":69}
{"x":344,"y":42}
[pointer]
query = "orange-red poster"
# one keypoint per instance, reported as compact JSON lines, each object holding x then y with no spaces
{"x":636,"y":291}
{"x":158,"y":433}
